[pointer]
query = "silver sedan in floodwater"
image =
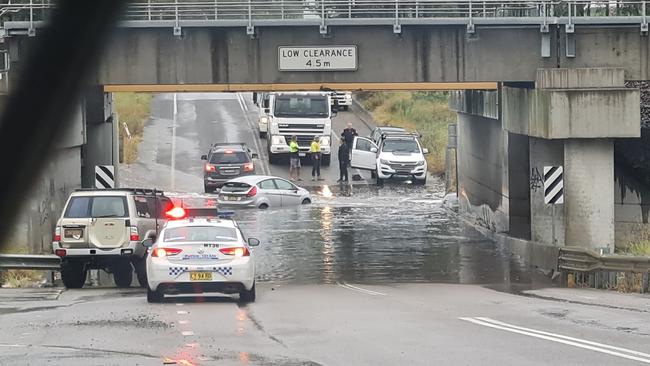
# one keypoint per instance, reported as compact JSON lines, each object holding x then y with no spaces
{"x":262,"y":191}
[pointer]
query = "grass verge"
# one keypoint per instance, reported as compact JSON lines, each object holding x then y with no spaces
{"x":425,"y":112}
{"x":134,"y":110}
{"x":640,"y":248}
{"x":15,"y":278}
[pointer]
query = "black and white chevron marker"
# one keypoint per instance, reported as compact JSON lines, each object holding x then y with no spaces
{"x":104,"y":176}
{"x":553,"y":185}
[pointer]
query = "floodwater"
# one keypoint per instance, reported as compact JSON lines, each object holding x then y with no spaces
{"x":365,"y":234}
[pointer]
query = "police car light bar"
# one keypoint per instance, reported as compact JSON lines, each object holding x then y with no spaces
{"x":208,"y":212}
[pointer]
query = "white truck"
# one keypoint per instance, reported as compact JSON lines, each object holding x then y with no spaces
{"x":302,"y":114}
{"x":342,"y":100}
{"x":261,"y":100}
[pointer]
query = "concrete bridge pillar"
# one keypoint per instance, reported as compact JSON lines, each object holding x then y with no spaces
{"x":571,"y":118}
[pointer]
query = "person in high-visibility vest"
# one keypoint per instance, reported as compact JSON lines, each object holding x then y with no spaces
{"x":294,"y":159}
{"x":315,"y":154}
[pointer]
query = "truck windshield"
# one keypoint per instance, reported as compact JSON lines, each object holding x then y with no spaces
{"x":404,"y":146}
{"x":287,"y":106}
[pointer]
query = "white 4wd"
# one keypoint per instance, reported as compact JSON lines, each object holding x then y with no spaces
{"x":397,"y":156}
{"x":103,"y":229}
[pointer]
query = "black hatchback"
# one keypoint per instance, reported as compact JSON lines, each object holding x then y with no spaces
{"x":224,"y":162}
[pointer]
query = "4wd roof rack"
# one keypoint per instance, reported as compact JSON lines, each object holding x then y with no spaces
{"x":225,"y":144}
{"x":401,"y":134}
{"x":144,"y":191}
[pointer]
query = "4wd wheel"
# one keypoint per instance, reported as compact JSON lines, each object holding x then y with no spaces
{"x":207,"y":189}
{"x":141,"y":271}
{"x":247,"y":295}
{"x":154,"y":296}
{"x":263,"y":206}
{"x":326,"y":160}
{"x":123,"y":274}
{"x":73,"y":274}
{"x":306,"y":201}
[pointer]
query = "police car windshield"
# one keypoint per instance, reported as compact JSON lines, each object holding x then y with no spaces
{"x":235,"y":157}
{"x":404,"y":146}
{"x":301,"y":107}
{"x":200,"y":233}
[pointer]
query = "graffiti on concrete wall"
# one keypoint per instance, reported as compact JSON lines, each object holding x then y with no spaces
{"x":536,"y":179}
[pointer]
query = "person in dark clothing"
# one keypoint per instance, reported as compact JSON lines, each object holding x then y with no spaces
{"x":348,"y":134}
{"x":344,"y":161}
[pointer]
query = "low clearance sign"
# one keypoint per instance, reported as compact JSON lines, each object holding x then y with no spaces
{"x":321,"y":58}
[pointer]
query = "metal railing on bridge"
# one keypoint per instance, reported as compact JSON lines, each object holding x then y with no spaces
{"x":323,"y":13}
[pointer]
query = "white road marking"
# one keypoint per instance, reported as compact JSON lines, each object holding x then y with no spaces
{"x":181,"y":312}
{"x":179,"y":304}
{"x":183,"y":322}
{"x":571,"y":341}
{"x":359,"y":289}
{"x":173,"y":162}
{"x":187,"y":333}
{"x":13,"y":345}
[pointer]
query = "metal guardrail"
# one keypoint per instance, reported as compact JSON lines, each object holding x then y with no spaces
{"x":29,"y":261}
{"x":323,"y":13}
{"x":581,"y":260}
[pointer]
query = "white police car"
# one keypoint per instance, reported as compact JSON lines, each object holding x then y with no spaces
{"x":200,"y":254}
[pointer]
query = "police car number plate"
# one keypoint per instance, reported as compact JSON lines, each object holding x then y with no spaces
{"x":200,"y":276}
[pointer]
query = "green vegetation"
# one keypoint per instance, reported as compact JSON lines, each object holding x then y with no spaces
{"x":639,"y":248}
{"x":425,"y":112}
{"x":132,"y":109}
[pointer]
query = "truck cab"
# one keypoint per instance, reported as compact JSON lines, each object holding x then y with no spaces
{"x":305,"y":115}
{"x":397,"y":156}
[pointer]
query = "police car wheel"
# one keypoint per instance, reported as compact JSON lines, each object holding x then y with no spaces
{"x":73,"y":274}
{"x":154,"y":296}
{"x":123,"y":274}
{"x":141,"y":274}
{"x":247,"y":295}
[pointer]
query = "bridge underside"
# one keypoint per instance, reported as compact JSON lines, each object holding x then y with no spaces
{"x":419,"y":54}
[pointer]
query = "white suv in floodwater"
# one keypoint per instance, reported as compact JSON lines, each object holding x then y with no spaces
{"x":398,"y":156}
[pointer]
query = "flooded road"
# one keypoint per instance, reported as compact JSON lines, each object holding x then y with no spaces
{"x":389,"y":235}
{"x":399,"y":233}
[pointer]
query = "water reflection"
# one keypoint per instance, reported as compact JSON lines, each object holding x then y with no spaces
{"x":373,"y":236}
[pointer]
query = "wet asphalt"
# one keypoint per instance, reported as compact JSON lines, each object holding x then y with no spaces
{"x":363,"y":276}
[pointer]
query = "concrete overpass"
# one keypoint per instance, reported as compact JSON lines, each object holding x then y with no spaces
{"x":561,"y":69}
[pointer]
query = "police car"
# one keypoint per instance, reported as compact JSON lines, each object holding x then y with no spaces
{"x":195,"y":253}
